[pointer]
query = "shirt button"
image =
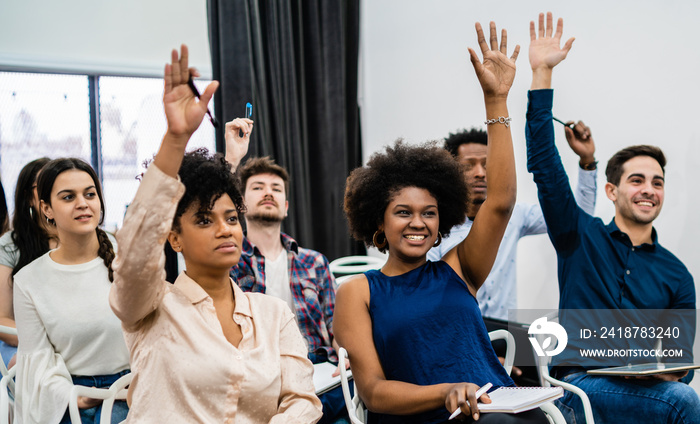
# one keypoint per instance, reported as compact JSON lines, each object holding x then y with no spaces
{"x":239,"y":357}
{"x":628,"y":272}
{"x":633,"y":249}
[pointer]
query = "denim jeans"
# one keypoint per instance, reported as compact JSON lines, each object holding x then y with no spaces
{"x":7,"y":352}
{"x":92,"y":415}
{"x":334,"y":410}
{"x":618,"y":400}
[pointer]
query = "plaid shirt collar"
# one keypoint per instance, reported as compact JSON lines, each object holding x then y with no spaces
{"x":290,"y":245}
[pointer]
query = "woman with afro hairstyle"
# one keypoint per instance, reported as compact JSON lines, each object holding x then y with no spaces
{"x":202,"y":351}
{"x":413,"y":331}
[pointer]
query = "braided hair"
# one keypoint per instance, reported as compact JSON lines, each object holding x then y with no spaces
{"x":106,"y":251}
{"x":48,"y":176}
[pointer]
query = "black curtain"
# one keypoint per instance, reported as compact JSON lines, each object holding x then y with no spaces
{"x":297,"y":63}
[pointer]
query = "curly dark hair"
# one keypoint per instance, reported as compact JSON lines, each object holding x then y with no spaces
{"x":473,"y":135}
{"x":206,"y":178}
{"x":370,"y":189}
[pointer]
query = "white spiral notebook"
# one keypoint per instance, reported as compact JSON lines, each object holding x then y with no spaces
{"x":512,"y":400}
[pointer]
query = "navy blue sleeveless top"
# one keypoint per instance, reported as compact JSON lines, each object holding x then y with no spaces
{"x":427,"y":329}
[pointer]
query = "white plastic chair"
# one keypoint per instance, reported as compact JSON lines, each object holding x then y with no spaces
{"x":7,"y":394}
{"x":354,"y":405}
{"x":355,"y":264}
{"x":117,"y":391}
{"x":510,"y":347}
{"x":6,"y":330}
{"x":547,"y":380}
{"x":356,"y":408}
{"x":7,"y":385}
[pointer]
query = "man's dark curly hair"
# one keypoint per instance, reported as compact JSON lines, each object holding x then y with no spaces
{"x":473,"y":135}
{"x":370,"y":189}
{"x":206,"y":178}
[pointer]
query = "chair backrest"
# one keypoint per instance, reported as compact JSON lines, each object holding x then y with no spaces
{"x":355,"y":264}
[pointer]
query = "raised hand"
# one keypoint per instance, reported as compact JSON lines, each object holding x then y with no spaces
{"x":497,"y":71}
{"x":237,"y":146}
{"x":545,"y":52}
{"x":183,"y":111}
{"x":581,"y":141}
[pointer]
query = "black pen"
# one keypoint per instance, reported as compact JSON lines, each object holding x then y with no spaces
{"x":563,"y":123}
{"x":193,"y":87}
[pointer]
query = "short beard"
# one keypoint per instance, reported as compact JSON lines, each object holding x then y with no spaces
{"x":264,"y":218}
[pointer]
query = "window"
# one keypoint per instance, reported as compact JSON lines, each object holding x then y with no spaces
{"x":49,"y":115}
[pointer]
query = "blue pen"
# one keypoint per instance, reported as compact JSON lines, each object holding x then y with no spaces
{"x":248,"y":114}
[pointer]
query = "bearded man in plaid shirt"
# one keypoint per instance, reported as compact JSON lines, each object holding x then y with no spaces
{"x":273,"y":263}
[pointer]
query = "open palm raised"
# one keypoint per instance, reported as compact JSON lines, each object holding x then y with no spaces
{"x":497,"y":71}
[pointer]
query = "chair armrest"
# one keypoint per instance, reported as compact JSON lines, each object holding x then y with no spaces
{"x":7,"y":385}
{"x":553,"y":413}
{"x":510,"y":347}
{"x":119,"y":392}
{"x":115,"y":391}
{"x":351,"y":404}
{"x":587,"y":410}
{"x":8,"y":330}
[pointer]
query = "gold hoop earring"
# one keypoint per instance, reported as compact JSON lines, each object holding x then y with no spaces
{"x":375,"y":237}
{"x":439,"y":240}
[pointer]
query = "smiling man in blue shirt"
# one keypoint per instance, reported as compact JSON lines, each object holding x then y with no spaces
{"x":618,"y":266}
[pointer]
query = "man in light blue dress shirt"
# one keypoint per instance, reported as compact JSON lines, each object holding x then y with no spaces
{"x":498,"y":294}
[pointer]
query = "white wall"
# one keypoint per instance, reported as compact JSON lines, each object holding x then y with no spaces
{"x":123,"y":37}
{"x":632,"y":75}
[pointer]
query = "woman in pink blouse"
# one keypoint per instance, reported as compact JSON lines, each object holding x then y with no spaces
{"x":201,"y":349}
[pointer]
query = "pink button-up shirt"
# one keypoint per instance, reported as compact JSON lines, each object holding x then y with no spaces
{"x":185,"y":370}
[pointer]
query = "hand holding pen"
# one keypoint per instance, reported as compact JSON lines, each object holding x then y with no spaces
{"x":479,"y":393}
{"x":579,"y":128}
{"x":579,"y":137}
{"x":190,"y":83}
{"x":237,"y":137}
{"x":183,"y":111}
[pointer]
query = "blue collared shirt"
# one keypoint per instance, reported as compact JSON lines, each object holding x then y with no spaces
{"x":598,"y":267}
